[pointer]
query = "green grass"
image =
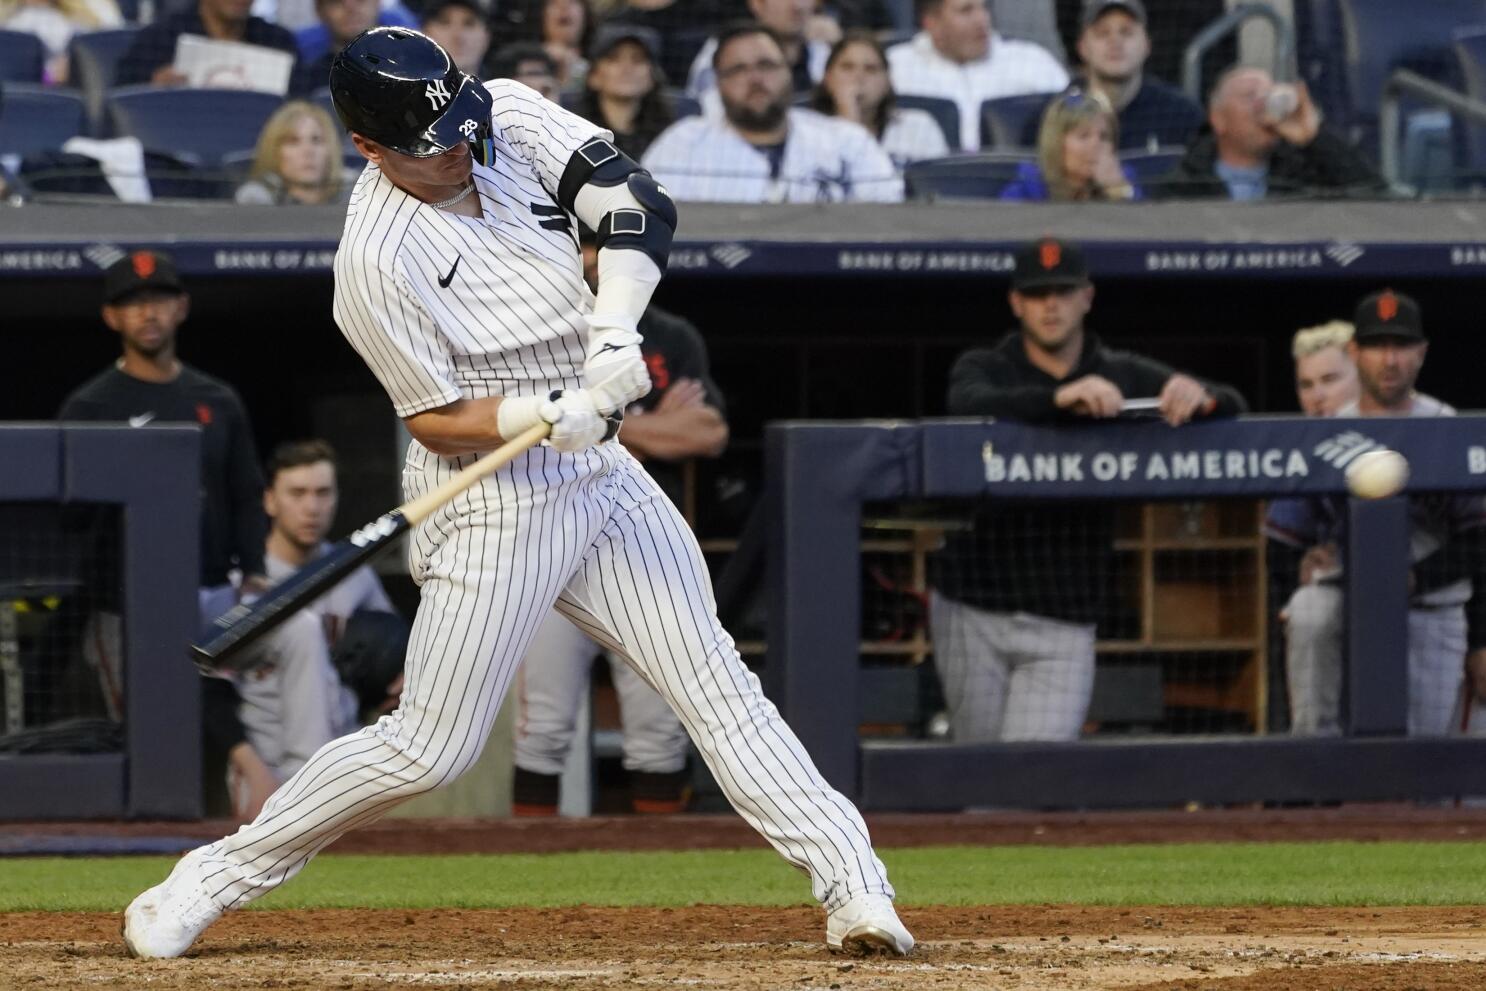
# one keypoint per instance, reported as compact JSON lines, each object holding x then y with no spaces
{"x":1181,"y":874}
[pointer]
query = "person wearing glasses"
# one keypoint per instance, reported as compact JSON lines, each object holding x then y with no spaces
{"x":1076,"y":157}
{"x":763,"y":150}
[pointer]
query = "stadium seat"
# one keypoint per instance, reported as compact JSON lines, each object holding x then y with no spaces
{"x":679,"y":50}
{"x":1150,"y":164}
{"x":1470,"y":54}
{"x":945,"y":113}
{"x":95,"y":60}
{"x":1012,"y":121}
{"x":321,"y":98}
{"x":685,"y":105}
{"x":965,"y":177}
{"x":35,"y":118}
{"x":1318,"y":51}
{"x":901,"y":12}
{"x":21,"y":57}
{"x":198,"y":126}
{"x":1379,"y":36}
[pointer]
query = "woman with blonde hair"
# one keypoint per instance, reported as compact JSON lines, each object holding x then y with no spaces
{"x":1076,"y":157}
{"x":297,"y":159}
{"x":54,"y":22}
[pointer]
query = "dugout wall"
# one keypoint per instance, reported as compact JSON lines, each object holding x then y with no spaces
{"x":138,"y":472}
{"x":821,"y":474}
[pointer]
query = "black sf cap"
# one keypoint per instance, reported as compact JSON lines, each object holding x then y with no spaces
{"x":140,"y":271}
{"x":1388,"y":315}
{"x":1049,"y":264}
{"x":401,"y":89}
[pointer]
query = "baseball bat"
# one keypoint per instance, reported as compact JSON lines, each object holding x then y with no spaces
{"x":245,"y":623}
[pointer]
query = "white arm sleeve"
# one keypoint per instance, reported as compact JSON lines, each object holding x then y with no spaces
{"x":627,"y":279}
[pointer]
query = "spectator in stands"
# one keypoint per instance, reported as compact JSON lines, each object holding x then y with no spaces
{"x":763,"y":150}
{"x":1017,"y":595}
{"x":1266,"y":140}
{"x":151,"y":57}
{"x":565,"y":29}
{"x":1114,"y":46}
{"x":528,"y":63}
{"x":856,"y":88}
{"x":462,"y":28}
{"x":291,"y":699}
{"x":1447,"y":614}
{"x":682,"y":419}
{"x":1076,"y":157}
{"x":54,"y":22}
{"x":803,"y":56}
{"x":677,"y":23}
{"x":958,"y":56}
{"x":1325,"y":381}
{"x":624,"y":88}
{"x":339,"y":22}
{"x":297,"y":159}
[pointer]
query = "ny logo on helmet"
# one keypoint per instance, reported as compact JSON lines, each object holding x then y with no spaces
{"x":468,"y":128}
{"x":437,"y":93}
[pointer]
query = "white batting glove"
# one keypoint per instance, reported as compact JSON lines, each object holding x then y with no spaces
{"x":576,"y":422}
{"x":614,"y":372}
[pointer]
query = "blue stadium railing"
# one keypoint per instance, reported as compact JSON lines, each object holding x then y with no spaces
{"x":821,"y":473}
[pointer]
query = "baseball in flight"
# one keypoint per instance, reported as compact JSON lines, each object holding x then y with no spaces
{"x":1378,"y":474}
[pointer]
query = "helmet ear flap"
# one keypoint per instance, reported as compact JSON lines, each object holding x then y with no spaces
{"x":483,"y":149}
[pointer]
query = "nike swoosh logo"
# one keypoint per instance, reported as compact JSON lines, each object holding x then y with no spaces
{"x":444,"y":282}
{"x":141,"y":419}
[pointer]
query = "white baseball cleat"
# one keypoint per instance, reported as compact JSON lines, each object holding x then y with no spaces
{"x":868,"y":924}
{"x":165,"y":920}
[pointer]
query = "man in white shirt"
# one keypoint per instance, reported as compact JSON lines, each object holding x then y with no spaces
{"x":763,"y":150}
{"x":958,"y":56}
{"x":806,"y":57}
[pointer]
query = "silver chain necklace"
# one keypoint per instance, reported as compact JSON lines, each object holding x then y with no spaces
{"x":456,"y":198}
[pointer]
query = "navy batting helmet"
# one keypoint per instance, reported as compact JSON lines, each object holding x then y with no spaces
{"x":402,"y":90}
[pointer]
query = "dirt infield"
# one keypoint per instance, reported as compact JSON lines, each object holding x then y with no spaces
{"x":746,"y":949}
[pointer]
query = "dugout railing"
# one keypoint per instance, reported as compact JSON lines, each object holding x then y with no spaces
{"x":144,"y":481}
{"x":822,"y":473}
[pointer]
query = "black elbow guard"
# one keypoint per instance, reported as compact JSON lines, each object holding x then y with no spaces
{"x":649,"y":230}
{"x":598,"y":162}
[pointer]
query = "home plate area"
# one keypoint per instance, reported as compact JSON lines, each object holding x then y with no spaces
{"x":1028,"y":948}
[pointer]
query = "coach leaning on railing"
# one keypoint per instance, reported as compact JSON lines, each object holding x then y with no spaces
{"x":1014,"y":613}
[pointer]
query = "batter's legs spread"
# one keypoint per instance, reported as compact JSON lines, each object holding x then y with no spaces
{"x":491,"y":565}
{"x":644,"y":589}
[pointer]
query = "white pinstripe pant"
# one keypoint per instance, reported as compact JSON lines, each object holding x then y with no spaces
{"x":593,"y":533}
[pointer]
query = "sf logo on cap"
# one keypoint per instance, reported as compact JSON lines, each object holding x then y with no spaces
{"x":1387,"y":306}
{"x":437,"y":93}
{"x":1050,"y":254}
{"x":143,"y":263}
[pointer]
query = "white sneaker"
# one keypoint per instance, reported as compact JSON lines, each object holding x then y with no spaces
{"x":165,"y":920}
{"x":868,"y":924}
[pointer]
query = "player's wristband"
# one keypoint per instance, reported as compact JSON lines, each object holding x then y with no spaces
{"x":517,"y":414}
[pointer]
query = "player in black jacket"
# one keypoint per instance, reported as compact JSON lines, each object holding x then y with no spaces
{"x":1017,"y":596}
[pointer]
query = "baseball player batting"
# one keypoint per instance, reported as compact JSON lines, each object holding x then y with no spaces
{"x":459,"y":281}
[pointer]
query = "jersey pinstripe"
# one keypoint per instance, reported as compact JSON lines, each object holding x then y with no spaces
{"x":442,"y":306}
{"x":824,"y":159}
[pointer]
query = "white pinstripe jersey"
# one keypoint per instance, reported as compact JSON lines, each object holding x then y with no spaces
{"x":824,"y":160}
{"x":442,"y":306}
